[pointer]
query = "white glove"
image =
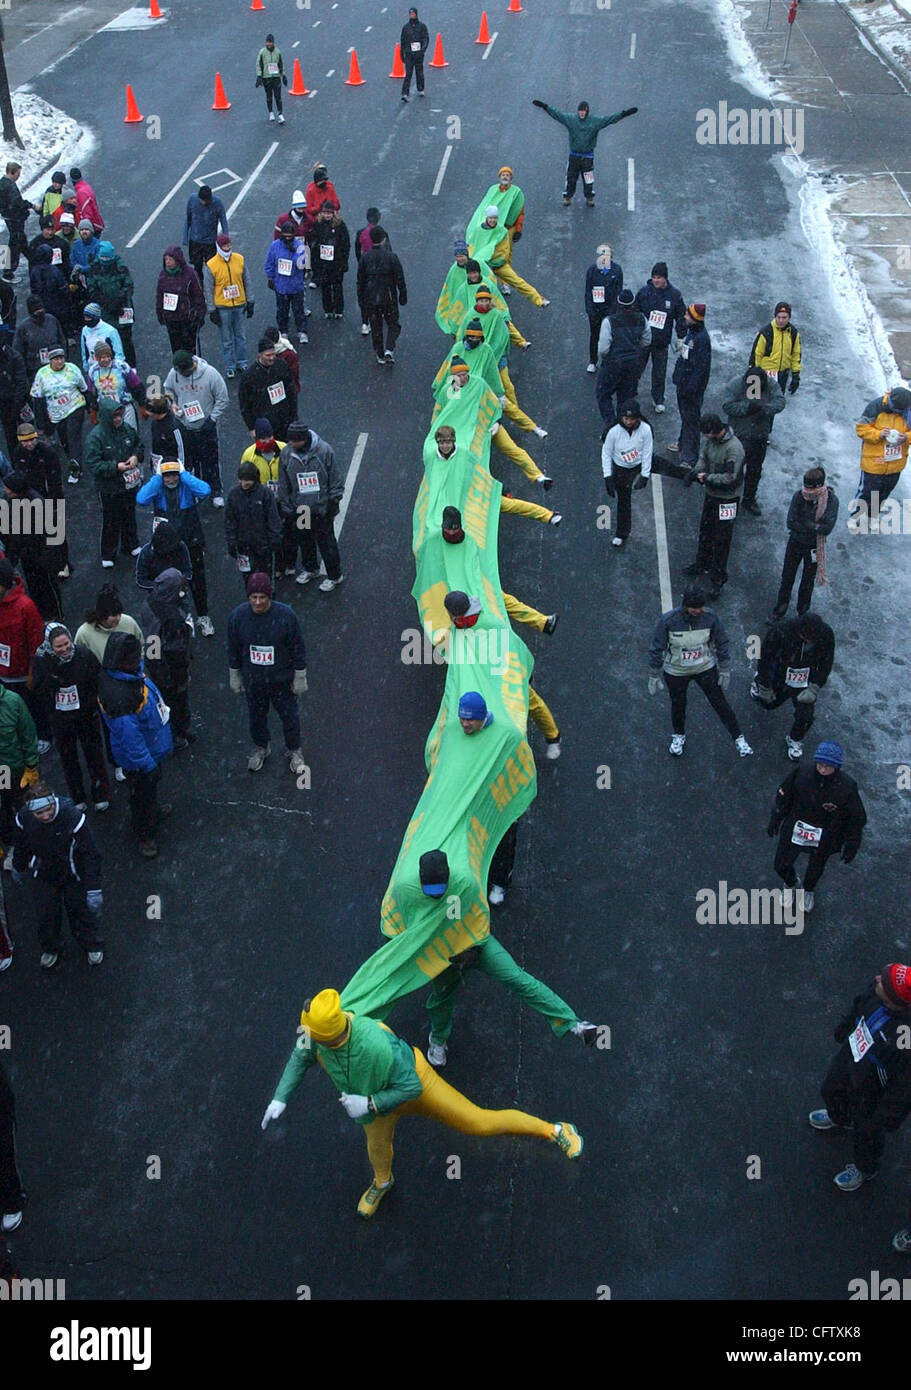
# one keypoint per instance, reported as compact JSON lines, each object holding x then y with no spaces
{"x":502,"y":400}
{"x":493,"y":429}
{"x":274,"y":1110}
{"x":299,"y":684}
{"x":808,"y":695}
{"x":724,"y":679}
{"x":356,"y":1106}
{"x":654,"y":685}
{"x":93,"y":899}
{"x":235,"y":681}
{"x":678,"y":344}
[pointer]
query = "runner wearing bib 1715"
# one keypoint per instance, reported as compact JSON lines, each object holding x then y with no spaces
{"x":818,"y":812}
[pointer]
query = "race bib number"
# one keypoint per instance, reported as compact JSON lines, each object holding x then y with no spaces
{"x":727,"y":511}
{"x":272,"y":485}
{"x":598,"y":294}
{"x":813,"y":557}
{"x":630,"y":457}
{"x":685,"y":351}
{"x":415,"y":48}
{"x":807,"y":836}
{"x":156,"y":462}
{"x":773,"y":376}
{"x":169,"y":302}
{"x":273,"y":69}
{"x":892,"y":453}
{"x":860,"y":1041}
{"x":132,"y":477}
{"x":62,"y":399}
{"x":164,"y":712}
{"x":588,"y":176}
{"x":797,"y":677}
{"x":192,"y":411}
{"x":42,"y":355}
{"x":67,"y":697}
{"x":690,"y":655}
{"x":126,"y":316}
{"x":262,"y":656}
{"x":326,"y":252}
{"x":284,"y":265}
{"x":4,"y":654}
{"x":243,"y":564}
{"x":56,"y":256}
{"x":308,"y":482}
{"x":277,"y":392}
{"x":657,"y":318}
{"x":231,"y":292}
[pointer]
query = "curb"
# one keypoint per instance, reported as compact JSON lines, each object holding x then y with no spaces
{"x":900,"y":74}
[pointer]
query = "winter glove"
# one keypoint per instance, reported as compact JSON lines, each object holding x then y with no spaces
{"x":516,"y":236}
{"x":356,"y":1106}
{"x":215,"y":316}
{"x":274,"y":1110}
{"x":332,"y":508}
{"x":765,"y":693}
{"x":808,"y":696}
{"x":772,"y":827}
{"x":630,"y":111}
{"x":403,"y":300}
{"x":794,"y":383}
{"x":93,"y":899}
{"x":848,"y":853}
{"x":299,"y":684}
{"x":271,"y":284}
{"x":248,"y":309}
{"x":542,"y":104}
{"x":259,"y":82}
{"x":16,"y":876}
{"x":654,"y":685}
{"x":639,"y":484}
{"x":610,"y":487}
{"x":29,"y":777}
{"x":284,"y":79}
{"x":678,"y":344}
{"x":724,"y":679}
{"x":235,"y":681}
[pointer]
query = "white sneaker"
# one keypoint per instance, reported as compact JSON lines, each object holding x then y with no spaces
{"x":281,"y":120}
{"x":544,"y":303}
{"x":206,"y":626}
{"x":555,"y":519}
{"x":592,"y":368}
{"x":271,"y":115}
{"x":302,"y":338}
{"x":95,"y":957}
{"x":542,"y":434}
{"x":191,"y":624}
{"x":257,"y":758}
{"x":306,"y":575}
{"x":676,"y":744}
{"x":365,"y":330}
{"x":329,"y":584}
{"x":496,"y":895}
{"x":553,"y":750}
{"x":808,"y":900}
{"x":48,"y":960}
{"x":44,"y":746}
{"x":11,"y":1222}
{"x":787,"y":899}
{"x":436,"y":1053}
{"x":296,"y":761}
{"x":288,"y":571}
{"x":795,"y":749}
{"x":218,"y":501}
{"x":545,"y":481}
{"x":107,"y":564}
{"x":618,"y":540}
{"x":743,"y":748}
{"x":659,"y":409}
{"x":5,"y":963}
{"x":389,"y":355}
{"x":119,"y":775}
{"x":100,"y":805}
{"x":136,"y":550}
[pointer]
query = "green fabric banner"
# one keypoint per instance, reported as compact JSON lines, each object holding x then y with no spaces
{"x":510,"y":204}
{"x":457,"y":298}
{"x":480,"y":362}
{"x":483,"y":241}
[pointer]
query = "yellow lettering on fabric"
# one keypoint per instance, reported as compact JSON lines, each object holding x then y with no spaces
{"x":526,"y":757}
{"x":492,"y":600}
{"x":430,"y":962}
{"x":477,"y":842}
{"x":500,"y":792}
{"x":458,"y":938}
{"x":517,"y":779}
{"x":420,"y":511}
{"x":512,"y":692}
{"x":431,"y":607}
{"x":477,"y":921}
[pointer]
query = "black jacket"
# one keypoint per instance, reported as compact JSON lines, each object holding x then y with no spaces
{"x":253,"y":396}
{"x":380,"y":279}
{"x":33,"y":340}
{"x":32,"y":547}
{"x":334,"y":235}
{"x":414,"y":32}
{"x":163,"y":617}
{"x":58,"y":852}
{"x":152,"y":561}
{"x":51,"y":675}
{"x":669,"y":302}
{"x":265,"y":647}
{"x":14,"y":209}
{"x":252,"y":522}
{"x":832,"y":803}
{"x":802,"y":523}
{"x":694,"y":365}
{"x":886,"y":1066}
{"x":13,"y":381}
{"x":783,"y":646}
{"x":41,"y":466}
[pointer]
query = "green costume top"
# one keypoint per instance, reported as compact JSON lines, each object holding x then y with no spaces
{"x":510,"y":204}
{"x":481,"y":363}
{"x":457,"y":298}
{"x":373,"y":1062}
{"x":496,"y":332}
{"x":489,"y":245}
{"x":583,"y":135}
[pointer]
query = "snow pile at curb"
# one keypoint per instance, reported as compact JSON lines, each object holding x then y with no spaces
{"x":746,"y":65}
{"x":137,"y":18}
{"x":45,"y":132}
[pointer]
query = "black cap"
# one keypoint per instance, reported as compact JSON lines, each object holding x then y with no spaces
{"x":693,"y":596}
{"x":434,"y":870}
{"x":626,"y":298}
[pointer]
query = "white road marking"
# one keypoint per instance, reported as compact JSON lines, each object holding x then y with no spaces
{"x":252,"y":179}
{"x":168,"y":196}
{"x":351,"y":479}
{"x":631,"y":185}
{"x":632,"y":46}
{"x":493,"y":39}
{"x":664,"y":568}
{"x":331,"y":72}
{"x":312,"y":93}
{"x":442,"y":170}
{"x":295,"y":43}
{"x":351,"y":49}
{"x":369,"y":27}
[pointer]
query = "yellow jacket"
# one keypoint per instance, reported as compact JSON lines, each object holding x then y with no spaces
{"x":229,"y":283}
{"x":267,"y":470}
{"x":878,"y":455}
{"x":782,"y":355}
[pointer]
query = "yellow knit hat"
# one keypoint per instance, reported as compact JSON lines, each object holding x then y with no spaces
{"x":326,"y":1019}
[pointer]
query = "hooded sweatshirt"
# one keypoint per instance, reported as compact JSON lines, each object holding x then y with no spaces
{"x":751,"y":416}
{"x":178,"y":505}
{"x":100,"y":332}
{"x":33,"y":339}
{"x":87,"y":205}
{"x":21,"y":632}
{"x":286,"y":266}
{"x":164,"y":551}
{"x":163,"y":616}
{"x":68,"y":688}
{"x":201,"y":396}
{"x":308,"y":479}
{"x":203,"y":220}
{"x":179,"y":297}
{"x":83,"y":253}
{"x":107,"y":445}
{"x":134,"y":712}
{"x":50,"y":282}
{"x":110,"y":284}
{"x":18,"y":739}
{"x":791,"y":659}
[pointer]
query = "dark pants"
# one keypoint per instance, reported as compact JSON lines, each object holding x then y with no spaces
{"x":580,"y":164}
{"x":715,"y":538}
{"x":881,"y":483}
{"x":118,"y":523}
{"x":49,"y":902}
{"x":18,"y":244}
{"x":9,"y":802}
{"x":414,"y":63}
{"x":504,"y":858}
{"x":272,"y":86}
{"x":387,"y":314}
{"x":36,"y":708}
{"x":280,"y":696}
{"x":69,"y":432}
{"x":321,"y":532}
{"x":796,"y":553}
{"x":616,"y":381}
{"x":862,"y":1106}
{"x":12,"y":1195}
{"x":786,"y":857}
{"x":143,"y":788}
{"x":9,"y":418}
{"x":333,"y":296}
{"x":263,"y":562}
{"x":183,"y":335}
{"x":198,"y":586}
{"x":202,"y":454}
{"x":175,"y":691}
{"x":624,"y":478}
{"x":594,"y":332}
{"x":754,"y":452}
{"x":284,"y":304}
{"x":690,"y":408}
{"x":126,"y":337}
{"x":200,"y":252}
{"x":68,"y":735}
{"x":658,"y":353}
{"x":708,"y":683}
{"x":43,"y":588}
{"x":804,"y":711}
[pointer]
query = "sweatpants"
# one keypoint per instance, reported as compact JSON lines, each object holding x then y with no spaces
{"x":707,"y":681}
{"x":862,"y":1106}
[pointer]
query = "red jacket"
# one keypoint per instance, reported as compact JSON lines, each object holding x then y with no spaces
{"x":21,"y":632}
{"x":301,"y":225}
{"x":86,"y":206}
{"x":317,"y":196}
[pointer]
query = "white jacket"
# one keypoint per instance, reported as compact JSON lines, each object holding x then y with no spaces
{"x":624,"y":450}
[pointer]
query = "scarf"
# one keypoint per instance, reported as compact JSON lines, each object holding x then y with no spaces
{"x":821,"y":495}
{"x":50,"y":631}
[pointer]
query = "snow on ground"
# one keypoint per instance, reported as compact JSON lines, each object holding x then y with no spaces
{"x":49,"y":136}
{"x":137,"y":18}
{"x":744,"y":63}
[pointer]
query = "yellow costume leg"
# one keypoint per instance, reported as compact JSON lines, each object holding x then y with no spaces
{"x":541,"y":714}
{"x":515,"y":337}
{"x":519,"y":457}
{"x":379,"y":1145}
{"x":520,"y":507}
{"x":521,"y":613}
{"x":512,"y":409}
{"x":440,"y":1101}
{"x":509,"y":277}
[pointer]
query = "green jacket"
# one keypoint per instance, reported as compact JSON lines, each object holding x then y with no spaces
{"x":110,"y":284}
{"x":18,"y":739}
{"x":264,"y":58}
{"x":583,"y":135}
{"x":373,"y":1062}
{"x":106,"y":446}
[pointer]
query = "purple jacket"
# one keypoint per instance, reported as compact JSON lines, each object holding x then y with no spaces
{"x":190,"y":306}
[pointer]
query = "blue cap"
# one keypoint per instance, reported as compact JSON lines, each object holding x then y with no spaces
{"x":472,"y":706}
{"x":829,"y":752}
{"x":460,"y":247}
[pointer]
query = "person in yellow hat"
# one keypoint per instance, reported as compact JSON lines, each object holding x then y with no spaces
{"x":382,"y":1077}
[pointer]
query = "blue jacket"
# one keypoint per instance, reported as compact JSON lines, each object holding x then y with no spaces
{"x":189,"y":491}
{"x":610,"y":280}
{"x":131,"y":706}
{"x":296,"y":281}
{"x":669,"y":302}
{"x":691,"y":372}
{"x":203,"y":220}
{"x":83,"y":253}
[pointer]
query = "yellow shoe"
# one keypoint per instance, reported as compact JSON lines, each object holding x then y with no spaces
{"x":568,"y":1139}
{"x":373,"y":1196}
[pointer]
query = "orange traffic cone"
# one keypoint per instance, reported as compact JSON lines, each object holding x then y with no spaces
{"x":514,"y":7}
{"x":484,"y":33}
{"x":298,"y":86}
{"x":398,"y":67}
{"x":354,"y":78}
{"x":257,"y":5}
{"x":438,"y":61}
{"x":221,"y":102}
{"x":154,"y":11}
{"x":132,"y":109}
